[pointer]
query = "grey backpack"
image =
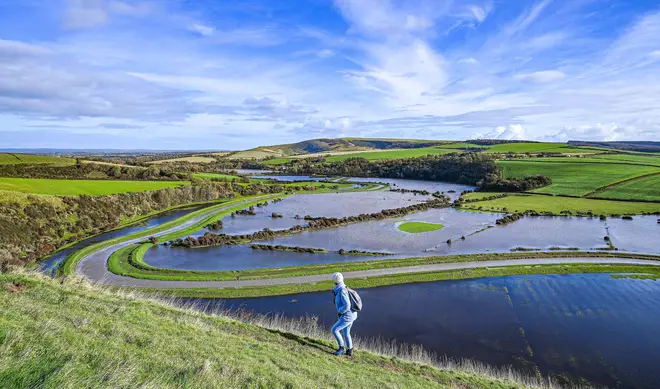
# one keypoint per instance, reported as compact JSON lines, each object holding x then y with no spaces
{"x":356,"y":301}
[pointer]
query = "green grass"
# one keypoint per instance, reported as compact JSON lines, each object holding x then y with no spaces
{"x":480,"y":195}
{"x":408,"y":278}
{"x":216,"y":175}
{"x":82,"y":187}
{"x":15,"y":159}
{"x":391,"y":154}
{"x":197,"y":159}
{"x":538,"y":148}
{"x":10,"y":196}
{"x":575,"y":179}
{"x":652,"y":159}
{"x":647,"y":188}
{"x":68,"y":335}
{"x":462,"y":145}
{"x":418,"y":227}
{"x":556,"y":204}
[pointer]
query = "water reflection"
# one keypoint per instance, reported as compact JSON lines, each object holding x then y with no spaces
{"x":568,"y":326}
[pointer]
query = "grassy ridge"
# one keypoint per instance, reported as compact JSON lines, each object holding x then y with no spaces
{"x":557,"y":204}
{"x":575,"y":179}
{"x":82,"y":187}
{"x":71,"y":335}
{"x":15,"y":159}
{"x":391,"y":154}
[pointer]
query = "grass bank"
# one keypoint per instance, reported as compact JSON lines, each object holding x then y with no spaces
{"x":70,"y":263}
{"x":73,"y":335}
{"x":408,"y":278}
{"x":129,"y":262}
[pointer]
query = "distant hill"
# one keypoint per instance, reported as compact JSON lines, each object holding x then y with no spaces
{"x":325,"y":145}
{"x":19,"y":159}
{"x":642,"y":146}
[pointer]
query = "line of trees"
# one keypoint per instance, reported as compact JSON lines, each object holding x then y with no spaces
{"x":93,"y":171}
{"x":465,"y":168}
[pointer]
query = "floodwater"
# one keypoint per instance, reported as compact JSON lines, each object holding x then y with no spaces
{"x":571,"y":327}
{"x":239,"y":257}
{"x":50,"y":264}
{"x":317,"y":205}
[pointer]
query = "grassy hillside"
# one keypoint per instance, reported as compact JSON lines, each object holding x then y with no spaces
{"x":645,"y":188}
{"x":555,"y":205}
{"x":79,"y":187}
{"x":72,"y":335}
{"x":196,"y":159}
{"x":575,"y":178}
{"x":15,"y":159}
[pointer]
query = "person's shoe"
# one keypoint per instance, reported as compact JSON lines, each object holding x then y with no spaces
{"x":349,"y":352}
{"x":340,"y":351}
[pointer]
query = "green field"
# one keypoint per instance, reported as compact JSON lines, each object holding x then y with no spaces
{"x":16,"y":159}
{"x":576,"y":179}
{"x":555,"y":204}
{"x":391,"y":154}
{"x":216,"y":175}
{"x":69,"y":335}
{"x":418,"y":227}
{"x":538,"y":148}
{"x":185,"y":159}
{"x":82,"y":187}
{"x":651,"y":159}
{"x":646,"y":188}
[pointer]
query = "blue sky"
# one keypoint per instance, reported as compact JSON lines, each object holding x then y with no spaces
{"x":183,"y":74}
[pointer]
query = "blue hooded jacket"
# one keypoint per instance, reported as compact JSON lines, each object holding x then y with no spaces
{"x":342,"y":301}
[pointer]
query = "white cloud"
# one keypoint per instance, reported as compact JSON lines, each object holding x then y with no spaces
{"x":542,"y":76}
{"x":327,"y":53}
{"x":512,"y":132}
{"x":81,"y":14}
{"x":469,"y":61}
{"x":202,"y":29}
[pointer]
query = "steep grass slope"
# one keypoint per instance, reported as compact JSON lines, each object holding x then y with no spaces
{"x":71,"y":335}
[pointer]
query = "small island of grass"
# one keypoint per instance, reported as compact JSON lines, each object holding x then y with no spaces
{"x":417,"y":227}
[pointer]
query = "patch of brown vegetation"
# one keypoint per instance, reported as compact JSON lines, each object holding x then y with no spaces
{"x":15,"y":287}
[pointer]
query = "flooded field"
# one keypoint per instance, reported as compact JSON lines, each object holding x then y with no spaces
{"x":571,"y":327}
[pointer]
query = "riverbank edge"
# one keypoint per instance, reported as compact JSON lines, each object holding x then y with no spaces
{"x":396,"y":279}
{"x":128,"y":262}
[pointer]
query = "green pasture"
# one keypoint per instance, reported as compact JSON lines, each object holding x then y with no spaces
{"x":576,"y":179}
{"x":82,"y":187}
{"x":645,"y":188}
{"x":16,"y":159}
{"x":556,"y":204}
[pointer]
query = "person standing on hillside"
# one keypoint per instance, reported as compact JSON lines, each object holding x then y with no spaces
{"x":347,"y":313}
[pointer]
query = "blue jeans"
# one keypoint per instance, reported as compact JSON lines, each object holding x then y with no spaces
{"x":343,"y":328}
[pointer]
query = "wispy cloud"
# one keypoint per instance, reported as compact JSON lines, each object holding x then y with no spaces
{"x":276,"y":73}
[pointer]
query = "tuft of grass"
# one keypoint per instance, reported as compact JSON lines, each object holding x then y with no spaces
{"x":419,"y":227}
{"x":72,"y":334}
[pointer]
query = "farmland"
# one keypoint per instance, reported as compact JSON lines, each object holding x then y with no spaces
{"x":576,"y":179}
{"x":15,"y":159}
{"x":539,"y":148}
{"x":81,"y":187}
{"x":196,"y":159}
{"x":556,"y":204}
{"x":646,"y":188}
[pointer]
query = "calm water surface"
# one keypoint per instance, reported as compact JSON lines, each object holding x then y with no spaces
{"x":571,"y":327}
